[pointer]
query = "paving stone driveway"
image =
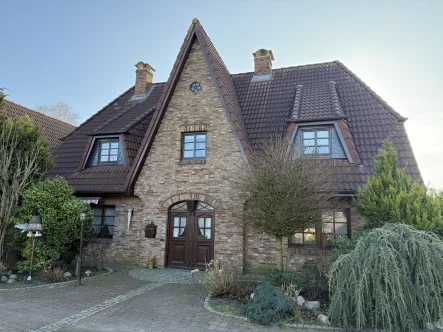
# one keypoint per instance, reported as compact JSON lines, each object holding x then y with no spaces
{"x":121,"y":301}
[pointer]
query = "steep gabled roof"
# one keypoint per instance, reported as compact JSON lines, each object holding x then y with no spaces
{"x":258,"y":111}
{"x":223,"y":82}
{"x":54,"y":130}
{"x":122,"y":117}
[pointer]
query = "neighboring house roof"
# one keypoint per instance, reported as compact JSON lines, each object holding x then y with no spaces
{"x":54,"y":130}
{"x":258,"y":111}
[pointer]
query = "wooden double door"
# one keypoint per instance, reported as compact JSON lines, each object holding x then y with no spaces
{"x":190,"y":238}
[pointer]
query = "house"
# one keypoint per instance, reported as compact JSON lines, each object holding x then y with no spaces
{"x":53,"y":130}
{"x":158,"y":159}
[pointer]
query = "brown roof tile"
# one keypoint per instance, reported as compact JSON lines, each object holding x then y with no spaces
{"x":54,"y":130}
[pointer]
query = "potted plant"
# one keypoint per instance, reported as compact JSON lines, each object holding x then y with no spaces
{"x":151,"y":263}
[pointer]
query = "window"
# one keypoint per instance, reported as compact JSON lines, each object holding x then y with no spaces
{"x":317,"y":141}
{"x":195,"y":87}
{"x":333,"y":223}
{"x":106,"y":152}
{"x":103,"y":223}
{"x":194,"y":146}
{"x":109,"y":151}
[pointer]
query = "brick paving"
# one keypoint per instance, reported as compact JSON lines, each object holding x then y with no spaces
{"x":117,"y":302}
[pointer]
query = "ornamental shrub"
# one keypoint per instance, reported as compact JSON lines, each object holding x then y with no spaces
{"x":391,"y":196}
{"x":225,"y":280}
{"x":269,"y":304}
{"x":54,"y":201}
{"x":392,"y":280}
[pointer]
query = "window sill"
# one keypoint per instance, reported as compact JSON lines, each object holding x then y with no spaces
{"x":309,"y":249}
{"x":191,"y":162}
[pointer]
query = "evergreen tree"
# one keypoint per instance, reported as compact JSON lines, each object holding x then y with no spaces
{"x":391,"y":196}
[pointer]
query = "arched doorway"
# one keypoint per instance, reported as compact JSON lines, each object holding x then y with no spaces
{"x":190,"y":234}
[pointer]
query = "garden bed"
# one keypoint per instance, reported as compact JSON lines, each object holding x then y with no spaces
{"x":22,"y":282}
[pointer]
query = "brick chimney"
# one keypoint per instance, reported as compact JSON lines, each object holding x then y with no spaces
{"x":263,"y":62}
{"x":143,"y":77}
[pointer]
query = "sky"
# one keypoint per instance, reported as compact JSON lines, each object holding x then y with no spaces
{"x":83,"y":52}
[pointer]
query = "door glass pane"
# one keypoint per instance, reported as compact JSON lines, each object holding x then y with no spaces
{"x":201,"y":222}
{"x":201,"y":233}
{"x":182,"y":221}
{"x":208,"y":223}
{"x":176,"y":221}
{"x":207,"y":233}
{"x":182,"y":232}
{"x":175,"y":232}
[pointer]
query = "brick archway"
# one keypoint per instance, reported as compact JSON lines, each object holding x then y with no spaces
{"x":208,"y":199}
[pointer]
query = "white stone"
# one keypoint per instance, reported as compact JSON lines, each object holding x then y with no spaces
{"x":312,"y":305}
{"x":12,"y":276}
{"x":300,"y":300}
{"x":324,"y":319}
{"x":10,"y":281}
{"x":195,"y":272}
{"x":4,"y":278}
{"x":252,"y":296}
{"x":88,"y":273}
{"x":439,"y":324}
{"x":67,"y":275}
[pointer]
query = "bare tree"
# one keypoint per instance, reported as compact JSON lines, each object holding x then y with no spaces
{"x":285,"y":193}
{"x":24,"y":157}
{"x":61,"y":111}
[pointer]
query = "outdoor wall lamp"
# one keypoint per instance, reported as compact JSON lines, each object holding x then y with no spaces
{"x":34,"y":229}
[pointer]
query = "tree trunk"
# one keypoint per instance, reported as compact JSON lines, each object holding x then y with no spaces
{"x":279,"y":252}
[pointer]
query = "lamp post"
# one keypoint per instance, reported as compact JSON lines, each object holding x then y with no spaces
{"x":82,"y":220}
{"x":34,"y":229}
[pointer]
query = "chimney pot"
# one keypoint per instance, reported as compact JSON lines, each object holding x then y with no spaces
{"x":143,"y":77}
{"x":263,"y":62}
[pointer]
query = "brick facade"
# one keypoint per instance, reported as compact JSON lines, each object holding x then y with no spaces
{"x":124,"y":247}
{"x":165,"y":177}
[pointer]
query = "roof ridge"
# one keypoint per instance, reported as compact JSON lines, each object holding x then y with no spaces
{"x":371,"y":92}
{"x":336,"y":103}
{"x":123,"y":112}
{"x":296,"y":104}
{"x":40,"y":113}
{"x":292,"y":67}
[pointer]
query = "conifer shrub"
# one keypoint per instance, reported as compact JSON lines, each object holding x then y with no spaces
{"x":269,"y":304}
{"x":392,"y":280}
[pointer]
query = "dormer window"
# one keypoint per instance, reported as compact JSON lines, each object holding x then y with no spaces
{"x":106,"y":151}
{"x":109,"y":150}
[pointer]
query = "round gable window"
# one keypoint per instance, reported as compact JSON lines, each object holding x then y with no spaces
{"x":195,"y":87}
